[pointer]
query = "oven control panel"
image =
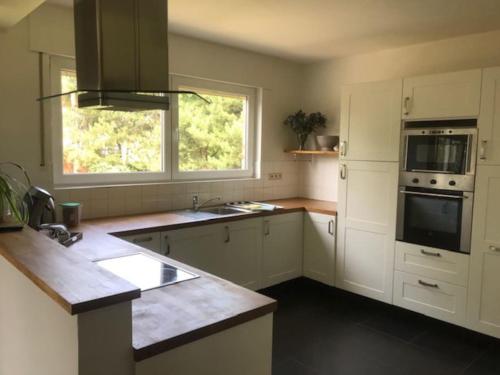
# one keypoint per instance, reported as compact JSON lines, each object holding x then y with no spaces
{"x":437,"y":181}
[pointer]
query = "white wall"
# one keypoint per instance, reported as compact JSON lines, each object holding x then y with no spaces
{"x":49,"y":29}
{"x":323,"y":82}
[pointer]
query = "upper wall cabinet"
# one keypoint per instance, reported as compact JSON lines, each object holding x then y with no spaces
{"x":489,"y":118}
{"x":370,"y":121}
{"x":448,"y":95}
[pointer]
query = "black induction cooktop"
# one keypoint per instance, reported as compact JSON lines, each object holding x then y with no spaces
{"x":144,"y":271}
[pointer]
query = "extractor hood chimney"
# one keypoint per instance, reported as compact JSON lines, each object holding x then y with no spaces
{"x":122,"y":54}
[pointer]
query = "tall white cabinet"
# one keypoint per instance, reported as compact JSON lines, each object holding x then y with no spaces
{"x":484,"y":283}
{"x":489,"y":120}
{"x":370,"y":121}
{"x":368,"y":181}
{"x":367,"y":226}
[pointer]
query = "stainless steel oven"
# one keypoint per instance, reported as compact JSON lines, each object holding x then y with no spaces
{"x":437,"y":218}
{"x":445,"y":149}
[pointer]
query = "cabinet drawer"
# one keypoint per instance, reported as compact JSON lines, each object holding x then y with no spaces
{"x":431,"y":297}
{"x":150,"y":241}
{"x":438,"y":264}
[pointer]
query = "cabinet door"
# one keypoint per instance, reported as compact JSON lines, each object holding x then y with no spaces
{"x":370,"y":121}
{"x":367,"y":228}
{"x":150,"y":241}
{"x":243,"y":252}
{"x":282,"y":248}
{"x":484,"y":281}
{"x":448,"y":95}
{"x":319,"y":247}
{"x":489,"y":118}
{"x":200,"y":247}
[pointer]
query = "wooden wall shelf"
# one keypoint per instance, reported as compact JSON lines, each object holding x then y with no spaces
{"x":313,"y":152}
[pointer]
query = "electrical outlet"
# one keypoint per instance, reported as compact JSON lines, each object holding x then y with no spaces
{"x":275,"y":176}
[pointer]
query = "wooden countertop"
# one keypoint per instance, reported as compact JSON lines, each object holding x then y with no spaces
{"x":162,"y":318}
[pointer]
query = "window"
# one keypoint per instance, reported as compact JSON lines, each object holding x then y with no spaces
{"x":216,"y":139}
{"x":194,"y":140}
{"x":99,"y":146}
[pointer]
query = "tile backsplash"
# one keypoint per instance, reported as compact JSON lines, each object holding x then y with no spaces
{"x":136,"y":199}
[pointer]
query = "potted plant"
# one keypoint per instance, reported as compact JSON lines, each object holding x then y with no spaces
{"x":304,"y":124}
{"x":13,"y":209}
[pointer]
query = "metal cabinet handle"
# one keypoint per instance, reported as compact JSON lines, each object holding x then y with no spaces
{"x":407,"y":105}
{"x":142,"y":240}
{"x":267,"y":228}
{"x":482,"y":149}
{"x":228,"y":235}
{"x":494,"y":248}
{"x":343,"y":148}
{"x":429,"y":253}
{"x":330,"y":227}
{"x":434,"y":195}
{"x":167,"y":250}
{"x":343,"y":171}
{"x":428,"y":284}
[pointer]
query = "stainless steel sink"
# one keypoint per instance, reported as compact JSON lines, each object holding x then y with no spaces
{"x":222,"y":210}
{"x":213,"y":212}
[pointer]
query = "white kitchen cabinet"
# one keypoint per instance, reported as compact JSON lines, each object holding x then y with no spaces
{"x":489,"y":118}
{"x":319,"y":247}
{"x":282,"y":248}
{"x":370,"y":121}
{"x":242,"y":252}
{"x":367,"y":228}
{"x":200,"y":247}
{"x":483,"y":313}
{"x":150,"y":241}
{"x":441,"y":96}
{"x":430,"y":297}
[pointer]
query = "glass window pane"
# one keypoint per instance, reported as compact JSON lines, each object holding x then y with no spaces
{"x":212,"y":137}
{"x":100,"y":141}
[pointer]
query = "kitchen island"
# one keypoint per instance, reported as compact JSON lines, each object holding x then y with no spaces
{"x":104,"y":325}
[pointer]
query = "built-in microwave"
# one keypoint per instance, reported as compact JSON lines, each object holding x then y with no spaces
{"x":439,"y":148}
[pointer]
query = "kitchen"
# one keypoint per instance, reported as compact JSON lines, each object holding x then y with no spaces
{"x":404,"y":281}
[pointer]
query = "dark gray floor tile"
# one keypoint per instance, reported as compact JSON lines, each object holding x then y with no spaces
{"x":325,"y":331}
{"x":292,"y":367}
{"x":400,"y":323}
{"x":488,"y":363}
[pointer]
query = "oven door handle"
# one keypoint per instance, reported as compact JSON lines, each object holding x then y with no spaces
{"x":434,"y":195}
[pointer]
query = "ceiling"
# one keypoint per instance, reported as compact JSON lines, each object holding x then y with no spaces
{"x":12,"y":11}
{"x":311,"y":30}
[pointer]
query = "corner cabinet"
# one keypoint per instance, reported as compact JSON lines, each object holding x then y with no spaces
{"x":199,"y":247}
{"x":489,"y":119}
{"x":371,"y":121}
{"x":319,"y":247}
{"x":483,"y":313}
{"x":367,"y":228}
{"x":441,"y":96}
{"x":282,"y":248}
{"x":242,"y":252}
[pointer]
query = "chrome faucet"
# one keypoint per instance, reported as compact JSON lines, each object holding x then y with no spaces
{"x":197,"y":205}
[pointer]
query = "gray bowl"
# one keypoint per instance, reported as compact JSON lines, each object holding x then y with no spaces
{"x":327,"y":142}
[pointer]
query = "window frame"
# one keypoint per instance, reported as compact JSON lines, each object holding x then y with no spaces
{"x":57,"y":65}
{"x":170,"y":136}
{"x":250,"y":93}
